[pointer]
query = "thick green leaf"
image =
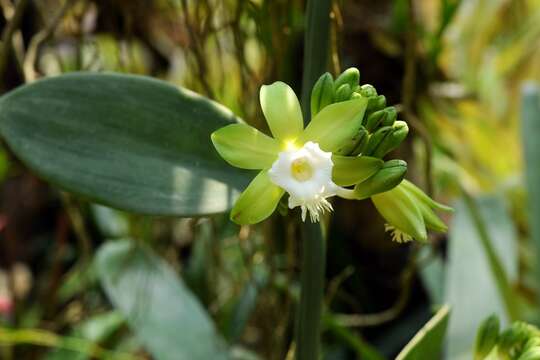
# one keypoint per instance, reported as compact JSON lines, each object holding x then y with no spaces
{"x":428,"y":342}
{"x":159,"y":308}
{"x":472,"y":284}
{"x":531,"y":143}
{"x":130,"y":142}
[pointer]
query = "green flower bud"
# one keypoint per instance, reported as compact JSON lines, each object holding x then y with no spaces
{"x":486,"y":337}
{"x":513,"y":340}
{"x":387,"y":139}
{"x":375,"y":119}
{"x":376,"y":103}
{"x":391,"y":116}
{"x":388,"y":177}
{"x":368,"y":91}
{"x":361,"y":144}
{"x":357,"y":141}
{"x":343,"y":93}
{"x":351,"y":77}
{"x":322,"y":93}
{"x":355,"y":95}
{"x":377,"y":138}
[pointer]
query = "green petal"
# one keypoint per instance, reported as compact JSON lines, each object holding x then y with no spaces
{"x":335,"y":125}
{"x":258,"y":201}
{"x":400,"y":211}
{"x":245,"y":147}
{"x":350,"y":170}
{"x":416,"y":191}
{"x":282,"y":111}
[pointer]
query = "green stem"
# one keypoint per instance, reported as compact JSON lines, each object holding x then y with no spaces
{"x":308,"y":318}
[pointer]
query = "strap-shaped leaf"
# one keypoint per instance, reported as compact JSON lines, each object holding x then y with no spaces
{"x":131,"y":142}
{"x":166,"y":317}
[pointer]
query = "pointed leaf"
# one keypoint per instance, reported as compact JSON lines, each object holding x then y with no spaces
{"x":428,"y":342}
{"x":158,"y":307}
{"x":127,"y":141}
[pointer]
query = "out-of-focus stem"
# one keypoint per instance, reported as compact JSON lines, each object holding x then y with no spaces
{"x":308,"y":317}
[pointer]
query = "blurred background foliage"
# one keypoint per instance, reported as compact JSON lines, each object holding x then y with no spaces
{"x":455,"y":69}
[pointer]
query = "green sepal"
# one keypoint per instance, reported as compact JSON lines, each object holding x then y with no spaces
{"x":343,"y":93}
{"x":351,"y":77}
{"x":245,"y":147}
{"x":388,"y":177}
{"x":424,"y":197}
{"x":401,"y":212}
{"x":281,"y":109}
{"x":350,"y":170}
{"x":322,"y":94}
{"x":486,"y":337}
{"x":335,"y":125}
{"x":258,"y":201}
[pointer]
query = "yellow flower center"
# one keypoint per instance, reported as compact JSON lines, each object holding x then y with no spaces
{"x":301,"y":169}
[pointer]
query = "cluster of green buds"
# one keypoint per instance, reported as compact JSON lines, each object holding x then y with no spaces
{"x":521,"y":341}
{"x":339,"y":153}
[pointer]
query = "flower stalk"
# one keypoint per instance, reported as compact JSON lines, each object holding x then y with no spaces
{"x":308,"y":317}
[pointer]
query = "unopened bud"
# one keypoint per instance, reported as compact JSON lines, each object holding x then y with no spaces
{"x":351,"y":77}
{"x":388,"y":177}
{"x":486,"y":337}
{"x":322,"y":93}
{"x":343,"y":93}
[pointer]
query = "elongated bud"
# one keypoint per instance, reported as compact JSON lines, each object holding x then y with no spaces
{"x":343,"y":93}
{"x":385,"y":117}
{"x":377,"y":139}
{"x":391,"y":116}
{"x":363,"y":139}
{"x":322,"y":93}
{"x":387,"y":139}
{"x":358,"y":140}
{"x":351,"y":77}
{"x":388,"y":177}
{"x":486,"y":337}
{"x":376,"y":103}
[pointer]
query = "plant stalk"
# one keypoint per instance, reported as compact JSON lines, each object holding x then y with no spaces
{"x":308,"y":317}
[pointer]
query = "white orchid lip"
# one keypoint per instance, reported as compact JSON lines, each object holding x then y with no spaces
{"x":306,"y":174}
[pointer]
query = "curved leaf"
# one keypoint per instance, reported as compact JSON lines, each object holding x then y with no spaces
{"x":130,"y":142}
{"x":159,"y":308}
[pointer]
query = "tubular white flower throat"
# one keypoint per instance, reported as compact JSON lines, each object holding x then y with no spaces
{"x":306,"y":174}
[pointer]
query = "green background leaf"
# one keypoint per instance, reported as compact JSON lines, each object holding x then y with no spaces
{"x":471,"y":280}
{"x":160,"y":309}
{"x":428,"y":342}
{"x":130,"y":142}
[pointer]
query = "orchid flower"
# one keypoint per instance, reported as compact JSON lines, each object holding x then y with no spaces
{"x":299,"y":161}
